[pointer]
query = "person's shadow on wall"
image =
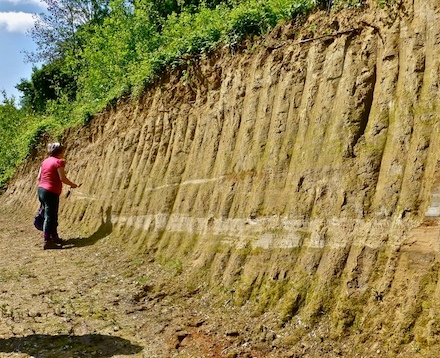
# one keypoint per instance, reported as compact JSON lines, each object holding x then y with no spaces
{"x":59,"y":346}
{"x":103,"y":231}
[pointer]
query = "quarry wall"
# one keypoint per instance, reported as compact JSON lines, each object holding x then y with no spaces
{"x":300,"y":172}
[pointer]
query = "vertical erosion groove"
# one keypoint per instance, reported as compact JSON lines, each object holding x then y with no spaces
{"x":367,"y":103}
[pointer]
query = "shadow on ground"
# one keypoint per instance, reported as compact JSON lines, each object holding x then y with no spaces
{"x":60,"y":346}
{"x":103,"y":230}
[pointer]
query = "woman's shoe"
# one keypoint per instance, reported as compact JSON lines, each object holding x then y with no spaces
{"x":58,"y":240}
{"x":51,"y":245}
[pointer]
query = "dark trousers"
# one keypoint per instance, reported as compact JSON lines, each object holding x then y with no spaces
{"x":50,"y":202}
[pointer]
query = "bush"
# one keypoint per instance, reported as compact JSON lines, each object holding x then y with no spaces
{"x":132,"y":47}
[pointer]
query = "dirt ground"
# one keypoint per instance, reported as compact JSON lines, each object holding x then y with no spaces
{"x":93,"y":299}
{"x":96,"y":299}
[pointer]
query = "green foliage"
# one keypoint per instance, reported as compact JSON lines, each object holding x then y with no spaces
{"x":10,"y":123}
{"x":349,"y":3}
{"x":106,"y":56}
{"x":117,"y":48}
{"x":57,"y":31}
{"x":49,"y":83}
{"x":21,"y":131}
{"x":249,"y":18}
{"x":386,"y":3}
{"x":134,"y":45}
{"x":19,"y":134}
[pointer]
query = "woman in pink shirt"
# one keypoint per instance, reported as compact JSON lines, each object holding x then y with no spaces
{"x":50,"y":182}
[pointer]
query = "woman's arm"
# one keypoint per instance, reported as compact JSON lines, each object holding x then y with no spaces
{"x":64,"y":179}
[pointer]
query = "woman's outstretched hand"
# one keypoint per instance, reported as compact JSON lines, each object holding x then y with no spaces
{"x":73,"y":186}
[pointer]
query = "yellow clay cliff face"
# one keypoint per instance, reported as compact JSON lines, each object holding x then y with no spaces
{"x":300,"y":173}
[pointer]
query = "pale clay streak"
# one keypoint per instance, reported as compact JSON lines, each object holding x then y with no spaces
{"x":186,"y":182}
{"x":82,"y":196}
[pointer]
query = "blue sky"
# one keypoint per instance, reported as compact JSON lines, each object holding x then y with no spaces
{"x":16,"y":18}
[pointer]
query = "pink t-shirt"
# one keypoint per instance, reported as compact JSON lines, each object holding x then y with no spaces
{"x":49,"y":178}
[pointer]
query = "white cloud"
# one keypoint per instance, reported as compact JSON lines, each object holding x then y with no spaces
{"x":16,"y":21}
{"x":38,"y":3}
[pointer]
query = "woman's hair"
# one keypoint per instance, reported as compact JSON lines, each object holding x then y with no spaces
{"x":55,"y":149}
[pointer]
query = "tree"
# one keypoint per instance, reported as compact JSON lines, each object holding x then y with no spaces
{"x":159,"y":10}
{"x":48,"y":83}
{"x":10,"y":121}
{"x":59,"y":34}
{"x":55,"y":32}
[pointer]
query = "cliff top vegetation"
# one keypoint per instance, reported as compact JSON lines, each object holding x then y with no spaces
{"x":97,"y":51}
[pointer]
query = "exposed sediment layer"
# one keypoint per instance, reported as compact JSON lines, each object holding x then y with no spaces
{"x":296,"y":173}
